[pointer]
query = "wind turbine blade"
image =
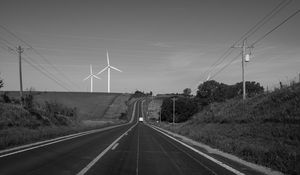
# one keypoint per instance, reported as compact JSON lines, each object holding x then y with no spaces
{"x":87,"y":77}
{"x":91,"y":69}
{"x":102,"y":70}
{"x":96,"y":77}
{"x":115,"y":68}
{"x":107,"y":57}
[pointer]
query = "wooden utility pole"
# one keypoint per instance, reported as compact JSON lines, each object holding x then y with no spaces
{"x":174,"y":99}
{"x":20,"y":50}
{"x":160,"y":115}
{"x":243,"y":68}
{"x":244,"y":47}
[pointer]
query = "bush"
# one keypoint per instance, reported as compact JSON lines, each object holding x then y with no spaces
{"x":123,"y":116}
{"x":5,"y":98}
{"x":28,"y":102}
{"x":184,"y":109}
{"x":213,"y":91}
{"x":59,"y":113}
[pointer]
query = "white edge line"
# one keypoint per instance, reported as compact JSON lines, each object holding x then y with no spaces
{"x":86,"y":168}
{"x":201,"y":153}
{"x":32,"y":146}
{"x":115,"y":146}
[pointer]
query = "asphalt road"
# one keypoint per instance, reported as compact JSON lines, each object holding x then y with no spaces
{"x":135,"y":148}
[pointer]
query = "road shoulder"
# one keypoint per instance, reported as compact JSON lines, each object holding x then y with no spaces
{"x":234,"y":161}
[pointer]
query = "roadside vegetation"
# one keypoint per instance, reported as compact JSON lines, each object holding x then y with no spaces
{"x":43,"y":116}
{"x":118,"y":109}
{"x":264,"y":129}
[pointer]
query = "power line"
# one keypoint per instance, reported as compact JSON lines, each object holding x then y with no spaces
{"x":40,"y":70}
{"x":250,"y":32}
{"x":4,"y":41}
{"x":37,"y":53}
{"x":226,"y":65}
{"x":276,"y":27}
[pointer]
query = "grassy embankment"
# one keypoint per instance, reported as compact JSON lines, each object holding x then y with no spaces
{"x":65,"y":113}
{"x":263,"y":130}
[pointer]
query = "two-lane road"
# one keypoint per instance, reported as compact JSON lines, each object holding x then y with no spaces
{"x":135,"y":148}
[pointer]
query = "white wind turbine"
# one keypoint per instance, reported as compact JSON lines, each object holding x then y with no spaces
{"x":108,"y":67}
{"x":91,"y":76}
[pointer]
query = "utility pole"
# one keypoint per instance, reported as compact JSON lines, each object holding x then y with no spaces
{"x":243,"y":69}
{"x":243,"y":47}
{"x":160,"y":115}
{"x":174,"y":99}
{"x":20,"y":50}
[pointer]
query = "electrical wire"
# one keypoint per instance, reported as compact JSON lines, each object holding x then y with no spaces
{"x":45,"y":74}
{"x":42,"y":68}
{"x":39,"y":54}
{"x":276,"y":27}
{"x":13,"y":52}
{"x":249,"y":33}
{"x":226,"y":65}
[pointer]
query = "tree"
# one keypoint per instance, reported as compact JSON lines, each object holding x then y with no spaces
{"x":1,"y":83}
{"x":187,"y":92}
{"x":184,"y":109}
{"x":252,"y":88}
{"x":211,"y":91}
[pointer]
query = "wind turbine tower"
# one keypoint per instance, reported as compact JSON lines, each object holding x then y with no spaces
{"x":91,"y":76}
{"x":108,"y":67}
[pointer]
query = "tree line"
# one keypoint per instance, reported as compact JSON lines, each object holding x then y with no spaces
{"x":208,"y":92}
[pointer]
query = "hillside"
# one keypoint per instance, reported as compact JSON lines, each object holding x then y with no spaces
{"x":118,"y":108}
{"x":55,"y":114}
{"x":264,"y":129}
{"x":89,"y":105}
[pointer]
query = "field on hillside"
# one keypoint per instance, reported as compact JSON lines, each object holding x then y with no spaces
{"x":20,"y":125}
{"x":118,"y":108}
{"x":154,"y":108}
{"x":89,"y":105}
{"x":265,"y":129}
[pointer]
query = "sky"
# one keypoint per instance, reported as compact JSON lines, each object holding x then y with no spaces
{"x":161,"y":46}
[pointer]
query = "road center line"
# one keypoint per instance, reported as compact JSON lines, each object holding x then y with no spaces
{"x":138,"y":153}
{"x":94,"y":161}
{"x":85,"y":169}
{"x":36,"y":145}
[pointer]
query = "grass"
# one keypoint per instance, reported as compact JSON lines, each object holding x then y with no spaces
{"x":154,"y":108}
{"x":264,"y":129}
{"x":54,"y":115}
{"x":89,"y":105}
{"x":117,"y":108}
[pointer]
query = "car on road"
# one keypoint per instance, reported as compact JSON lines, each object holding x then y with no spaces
{"x":141,"y":119}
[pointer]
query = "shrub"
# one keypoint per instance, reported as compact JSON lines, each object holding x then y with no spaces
{"x":5,"y":98}
{"x":58,"y":113}
{"x":28,"y":102}
{"x":184,"y":109}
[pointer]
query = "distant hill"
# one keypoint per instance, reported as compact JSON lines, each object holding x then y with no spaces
{"x":89,"y":105}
